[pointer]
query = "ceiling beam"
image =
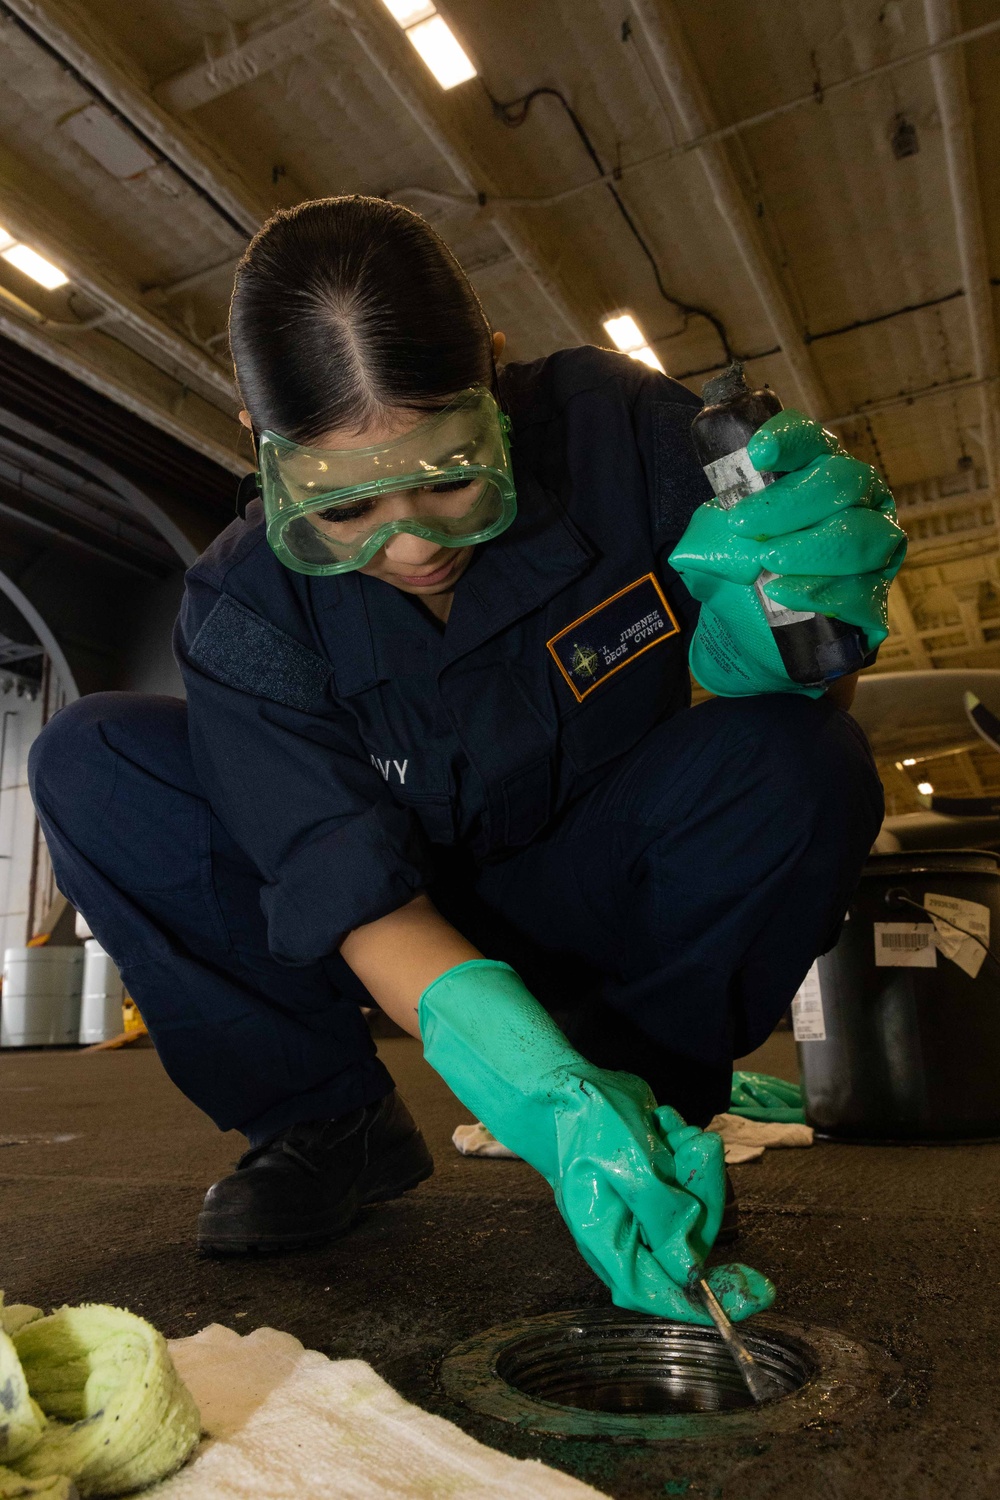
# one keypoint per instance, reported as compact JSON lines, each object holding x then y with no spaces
{"x":31,"y":222}
{"x":92,"y":55}
{"x":77,"y":40}
{"x":22,"y":514}
{"x":661,"y":27}
{"x":951,"y":88}
{"x":125,"y":393}
{"x":903,"y":625}
{"x":186,"y":533}
{"x":89,"y":50}
{"x":55,"y":652}
{"x":387,"y":50}
{"x":967,"y":766}
{"x":288,"y":33}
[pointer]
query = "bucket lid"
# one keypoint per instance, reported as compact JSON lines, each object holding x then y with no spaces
{"x":933,"y":862}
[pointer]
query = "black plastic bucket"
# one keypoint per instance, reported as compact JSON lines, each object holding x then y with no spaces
{"x":910,"y":1054}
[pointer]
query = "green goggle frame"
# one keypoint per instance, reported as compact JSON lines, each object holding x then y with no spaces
{"x":448,"y":481}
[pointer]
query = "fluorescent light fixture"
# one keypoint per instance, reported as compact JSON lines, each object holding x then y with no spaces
{"x":440,"y":50}
{"x":625,"y":332}
{"x":646,"y":355}
{"x":910,"y":760}
{"x":434,"y":40}
{"x":925,"y":788}
{"x":34,"y":265}
{"x":409,"y":12}
{"x":5,"y":238}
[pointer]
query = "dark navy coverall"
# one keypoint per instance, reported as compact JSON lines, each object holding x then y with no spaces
{"x":662,"y":876}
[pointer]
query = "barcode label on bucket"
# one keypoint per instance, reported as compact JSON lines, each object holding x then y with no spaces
{"x":905,"y":945}
{"x":808,"y":1021}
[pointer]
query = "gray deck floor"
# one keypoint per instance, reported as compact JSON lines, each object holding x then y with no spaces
{"x":897,"y":1247}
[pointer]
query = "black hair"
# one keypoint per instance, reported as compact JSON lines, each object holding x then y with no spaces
{"x":345,"y":308}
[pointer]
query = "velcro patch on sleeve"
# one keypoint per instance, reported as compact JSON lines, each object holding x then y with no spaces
{"x":612,"y":634}
{"x":237,"y":647}
{"x":679,"y":481}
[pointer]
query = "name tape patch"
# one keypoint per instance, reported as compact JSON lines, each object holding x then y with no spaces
{"x":612,"y":634}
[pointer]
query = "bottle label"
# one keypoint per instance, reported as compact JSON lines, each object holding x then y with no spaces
{"x":776,"y":613}
{"x":733,"y":477}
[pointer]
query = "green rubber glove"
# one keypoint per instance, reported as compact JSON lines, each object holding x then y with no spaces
{"x":641,"y":1192}
{"x":826,"y":526}
{"x":759,"y":1096}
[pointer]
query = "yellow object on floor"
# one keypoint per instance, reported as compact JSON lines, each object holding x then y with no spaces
{"x":131,"y":1019}
{"x":94,"y":1402}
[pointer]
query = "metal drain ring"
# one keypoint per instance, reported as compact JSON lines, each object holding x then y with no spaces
{"x":825,"y":1374}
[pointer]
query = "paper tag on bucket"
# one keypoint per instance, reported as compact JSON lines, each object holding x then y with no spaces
{"x":808,"y":1021}
{"x":905,"y":945}
{"x":964,"y":951}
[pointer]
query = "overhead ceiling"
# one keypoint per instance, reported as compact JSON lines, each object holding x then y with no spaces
{"x":815,"y":187}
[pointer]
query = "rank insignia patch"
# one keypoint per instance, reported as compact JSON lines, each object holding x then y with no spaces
{"x":612,"y":634}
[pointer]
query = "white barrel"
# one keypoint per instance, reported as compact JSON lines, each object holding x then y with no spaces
{"x":103,"y":993}
{"x":40,"y":1003}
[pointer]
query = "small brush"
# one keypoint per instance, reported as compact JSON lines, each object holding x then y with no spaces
{"x":760,"y":1385}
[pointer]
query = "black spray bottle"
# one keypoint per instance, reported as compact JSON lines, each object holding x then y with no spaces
{"x":814,"y":648}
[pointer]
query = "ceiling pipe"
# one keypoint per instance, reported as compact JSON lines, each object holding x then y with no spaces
{"x":907,"y":398}
{"x":952,"y":91}
{"x":678,"y":72}
{"x":399,"y":79}
{"x":750,"y":122}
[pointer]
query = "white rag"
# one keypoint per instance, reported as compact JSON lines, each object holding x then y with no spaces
{"x":747,"y":1140}
{"x":744,"y":1140}
{"x":285,"y":1423}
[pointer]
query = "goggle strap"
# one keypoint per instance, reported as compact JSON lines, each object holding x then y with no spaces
{"x":247,"y":491}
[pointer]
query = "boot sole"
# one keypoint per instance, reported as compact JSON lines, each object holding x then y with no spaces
{"x":399,"y":1174}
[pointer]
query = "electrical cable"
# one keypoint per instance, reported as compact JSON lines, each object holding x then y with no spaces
{"x":724,"y":132}
{"x":895,"y":894}
{"x":514,"y":113}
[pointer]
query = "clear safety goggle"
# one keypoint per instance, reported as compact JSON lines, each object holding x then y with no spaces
{"x":449,"y":480}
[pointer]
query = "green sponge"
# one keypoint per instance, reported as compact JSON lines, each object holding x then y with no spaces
{"x":122,"y":1416}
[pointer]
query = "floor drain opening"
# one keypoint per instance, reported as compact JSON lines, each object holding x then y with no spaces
{"x":644,"y":1368}
{"x":604,"y":1373}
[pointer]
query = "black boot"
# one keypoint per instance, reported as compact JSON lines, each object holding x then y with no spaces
{"x":309,"y":1182}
